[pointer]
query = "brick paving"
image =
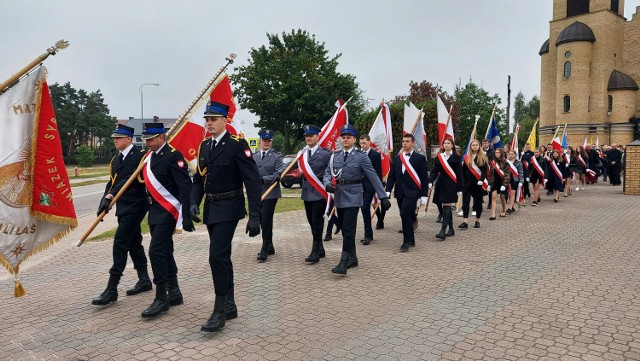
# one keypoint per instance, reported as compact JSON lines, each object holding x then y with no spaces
{"x":556,"y":282}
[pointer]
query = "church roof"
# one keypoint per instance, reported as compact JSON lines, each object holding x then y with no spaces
{"x":575,"y":32}
{"x":545,"y":48}
{"x":621,"y":81}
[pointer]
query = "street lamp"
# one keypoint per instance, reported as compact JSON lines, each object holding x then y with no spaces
{"x":142,"y":98}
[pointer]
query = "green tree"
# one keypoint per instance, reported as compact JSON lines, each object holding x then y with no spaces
{"x":293,"y":81}
{"x":525,"y":113}
{"x":86,"y":156}
{"x":472,"y":100}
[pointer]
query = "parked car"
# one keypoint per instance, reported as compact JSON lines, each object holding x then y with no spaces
{"x":294,"y":176}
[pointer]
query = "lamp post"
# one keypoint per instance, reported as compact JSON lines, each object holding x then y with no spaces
{"x":142,"y":98}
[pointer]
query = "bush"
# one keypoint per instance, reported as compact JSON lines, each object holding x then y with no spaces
{"x":86,"y":156}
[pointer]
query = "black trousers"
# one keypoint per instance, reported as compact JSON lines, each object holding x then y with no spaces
{"x":380,"y":213}
{"x":477,"y":204}
{"x":349,"y":219}
{"x":614,"y":174}
{"x":407,"y":206}
{"x":128,"y":240}
{"x":266,"y":220}
{"x":220,"y":237}
{"x":315,"y":217}
{"x":163,"y":264}
{"x":367,"y":197}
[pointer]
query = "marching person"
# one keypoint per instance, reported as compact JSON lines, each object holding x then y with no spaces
{"x":409,"y":176}
{"x":571,"y":162}
{"x":516,"y":182}
{"x":447,"y":165}
{"x":347,"y":168}
{"x":225,"y":163}
{"x":614,"y":158}
{"x":581,"y":167}
{"x":474,"y":175}
{"x":131,"y":208}
{"x":270,"y":166}
{"x":313,"y":163}
{"x":369,"y":191}
{"x":499,"y":178}
{"x":556,"y":174}
{"x":489,"y":152}
{"x":166,"y":176}
{"x":526,"y":160}
{"x":537,"y":166}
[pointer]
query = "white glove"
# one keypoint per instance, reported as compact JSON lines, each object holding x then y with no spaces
{"x":388,"y":194}
{"x":502,"y":188}
{"x":423,"y":200}
{"x":489,"y":189}
{"x":430,"y":185}
{"x":459,"y":194}
{"x":519,"y":185}
{"x":480,"y":183}
{"x":528,"y":179}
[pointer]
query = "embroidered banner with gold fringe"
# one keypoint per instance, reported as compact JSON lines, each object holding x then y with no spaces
{"x":36,"y":204}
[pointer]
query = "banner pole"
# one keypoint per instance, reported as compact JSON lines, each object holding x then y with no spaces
{"x":59,"y":45}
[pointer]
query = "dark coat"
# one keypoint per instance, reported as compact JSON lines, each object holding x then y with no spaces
{"x":495,"y":181}
{"x":134,"y":200}
{"x":554,"y":181}
{"x":470,"y":182}
{"x":226,"y":169}
{"x":403,"y":183}
{"x":533,"y":173}
{"x":376,"y":162}
{"x":446,"y":190}
{"x":172,"y":171}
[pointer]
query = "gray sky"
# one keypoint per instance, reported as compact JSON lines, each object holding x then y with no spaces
{"x":118,"y":45}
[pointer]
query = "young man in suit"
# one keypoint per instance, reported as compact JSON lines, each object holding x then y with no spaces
{"x":130,"y":210}
{"x":369,"y":191}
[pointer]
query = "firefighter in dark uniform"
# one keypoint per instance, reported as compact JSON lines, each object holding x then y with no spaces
{"x":166,"y":175}
{"x":225,"y":163}
{"x":131,"y":208}
{"x":270,"y":166}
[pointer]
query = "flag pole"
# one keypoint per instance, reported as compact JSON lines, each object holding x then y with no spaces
{"x":285,"y":171}
{"x":415,"y":124}
{"x":493,"y":112}
{"x":138,"y":170}
{"x":554,"y":134}
{"x":59,"y":45}
{"x":564,"y":131}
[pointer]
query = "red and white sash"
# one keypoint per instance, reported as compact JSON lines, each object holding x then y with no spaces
{"x":538,"y":169}
{"x":497,"y":169}
{"x":412,"y":172}
{"x":567,"y":159}
{"x":475,"y":170}
{"x":591,"y":172}
{"x":447,"y":168}
{"x":556,"y":170}
{"x":584,"y":164}
{"x":160,"y":194}
{"x":512,"y":169}
{"x":309,"y":175}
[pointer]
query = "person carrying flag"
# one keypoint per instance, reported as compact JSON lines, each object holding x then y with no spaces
{"x":225,"y":164}
{"x":448,"y":166}
{"x":474,"y":175}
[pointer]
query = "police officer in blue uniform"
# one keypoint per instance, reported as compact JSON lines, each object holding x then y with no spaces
{"x":225,"y":163}
{"x":131,"y":208}
{"x":169,"y":188}
{"x":270,"y":166}
{"x":347,"y":167}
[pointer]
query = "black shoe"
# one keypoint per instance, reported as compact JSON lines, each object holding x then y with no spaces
{"x":338,"y":229}
{"x":492,"y":218}
{"x":110,"y":294}
{"x":404,"y":247}
{"x":173,"y":292}
{"x":412,"y":244}
{"x":380,"y":225}
{"x":366,"y":240}
{"x":262,"y":255}
{"x":341,"y":268}
{"x":448,"y":220}
{"x":439,"y":220}
{"x":476,"y":225}
{"x":160,"y":303}
{"x":328,"y":237}
{"x":399,"y":231}
{"x":271,"y":251}
{"x":143,"y":285}
{"x":217,"y":318}
{"x":509,"y":211}
{"x":352,"y":262}
{"x":489,"y":206}
{"x":314,"y":257}
{"x":463,"y":225}
{"x":321,"y":252}
{"x":230,"y":309}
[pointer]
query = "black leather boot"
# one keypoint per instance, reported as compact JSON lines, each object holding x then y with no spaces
{"x":445,"y":223}
{"x":448,"y":219}
{"x":321,"y":252}
{"x":342,"y":267}
{"x":353,"y":259}
{"x":160,"y":303}
{"x":217,"y":318}
{"x":262,"y":255}
{"x":173,"y":291}
{"x":110,"y":294}
{"x":271,"y":251}
{"x":314,"y":257}
{"x":143,"y":284}
{"x":230,"y":309}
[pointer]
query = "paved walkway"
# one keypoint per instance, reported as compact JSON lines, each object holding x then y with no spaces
{"x":565,"y":286}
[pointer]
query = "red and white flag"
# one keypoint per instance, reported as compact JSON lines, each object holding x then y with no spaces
{"x":445,"y":123}
{"x":188,"y":137}
{"x":330,"y":132}
{"x":514,"y":142}
{"x":381,"y":138}
{"x":556,"y":143}
{"x":36,"y":204}
{"x":413,"y":124}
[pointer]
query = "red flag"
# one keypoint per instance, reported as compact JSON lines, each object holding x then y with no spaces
{"x":556,"y":143}
{"x":331,"y":130}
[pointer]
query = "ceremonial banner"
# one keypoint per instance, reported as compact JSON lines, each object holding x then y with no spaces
{"x":331,"y":130}
{"x":514,"y":142}
{"x":381,"y":138}
{"x":493,"y":134}
{"x":532,"y":136}
{"x":36,"y":208}
{"x":188,"y":137}
{"x":414,"y":125}
{"x":445,"y":123}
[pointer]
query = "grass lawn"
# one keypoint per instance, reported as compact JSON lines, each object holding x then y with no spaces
{"x":284,"y":205}
{"x":88,"y":172}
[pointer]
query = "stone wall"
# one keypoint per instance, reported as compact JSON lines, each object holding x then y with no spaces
{"x":632,"y":169}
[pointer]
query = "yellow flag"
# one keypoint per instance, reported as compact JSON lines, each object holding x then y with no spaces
{"x":532,"y":136}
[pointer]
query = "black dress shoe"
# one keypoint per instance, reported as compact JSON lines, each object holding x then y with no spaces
{"x":271,"y":250}
{"x":338,"y":229}
{"x":352,"y":262}
{"x":143,"y":284}
{"x":109,"y":295}
{"x":476,"y":225}
{"x":380,"y":225}
{"x":328,"y":237}
{"x":404,"y":247}
{"x":160,"y":303}
{"x":463,"y":225}
{"x":262,"y":255}
{"x":366,"y":241}
{"x":217,"y":318}
{"x":313,"y":257}
{"x":341,"y":268}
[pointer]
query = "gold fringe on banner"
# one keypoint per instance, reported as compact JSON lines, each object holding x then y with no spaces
{"x":18,"y":290}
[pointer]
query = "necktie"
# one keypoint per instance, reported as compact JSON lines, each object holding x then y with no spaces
{"x":309,"y":154}
{"x":407,"y":154}
{"x":345,"y":156}
{"x":263,"y":154}
{"x":121,"y":157}
{"x":213,"y":145}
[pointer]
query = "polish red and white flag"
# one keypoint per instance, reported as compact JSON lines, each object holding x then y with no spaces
{"x":381,"y":137}
{"x":330,"y":132}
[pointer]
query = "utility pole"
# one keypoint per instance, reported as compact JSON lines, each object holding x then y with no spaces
{"x":509,"y":103}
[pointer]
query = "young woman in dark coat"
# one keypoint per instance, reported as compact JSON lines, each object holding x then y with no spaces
{"x":499,"y":178}
{"x":537,"y":166}
{"x":557,"y":172}
{"x":474,"y":175}
{"x":447,"y":165}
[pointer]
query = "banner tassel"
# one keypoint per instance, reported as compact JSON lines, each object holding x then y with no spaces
{"x":19,"y":290}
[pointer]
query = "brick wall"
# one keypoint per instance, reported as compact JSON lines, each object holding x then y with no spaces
{"x":632,"y":169}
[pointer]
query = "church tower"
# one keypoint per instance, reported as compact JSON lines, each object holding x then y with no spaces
{"x":588,"y":66}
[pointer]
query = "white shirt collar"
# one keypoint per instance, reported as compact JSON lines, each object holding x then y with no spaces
{"x":160,"y":149}
{"x":313,"y":150}
{"x":126,"y":151}
{"x":218,"y":138}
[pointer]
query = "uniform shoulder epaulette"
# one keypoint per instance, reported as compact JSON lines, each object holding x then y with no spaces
{"x":361,"y":151}
{"x":235,"y":137}
{"x":172,"y":148}
{"x":276,"y":152}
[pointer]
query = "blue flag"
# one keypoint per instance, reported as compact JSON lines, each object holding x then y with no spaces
{"x":564,"y":140}
{"x":494,"y":135}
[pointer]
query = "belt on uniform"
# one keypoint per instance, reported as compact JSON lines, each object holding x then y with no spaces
{"x":222,"y":196}
{"x":345,"y":181}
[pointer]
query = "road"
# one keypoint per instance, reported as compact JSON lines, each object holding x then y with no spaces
{"x":86,"y":198}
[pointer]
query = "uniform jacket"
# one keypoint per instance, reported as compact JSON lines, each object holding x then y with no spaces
{"x":552,"y":177}
{"x":446,"y":191}
{"x":533,"y":173}
{"x":318,"y":163}
{"x":134,"y":200}
{"x":404,"y":185}
{"x":470,"y":182}
{"x":376,"y":162}
{"x":172,"y":171}
{"x":224,"y":170}
{"x":526,"y":157}
{"x":270,"y":168}
{"x":356,"y":167}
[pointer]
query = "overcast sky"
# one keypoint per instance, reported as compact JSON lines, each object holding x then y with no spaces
{"x":118,"y":45}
